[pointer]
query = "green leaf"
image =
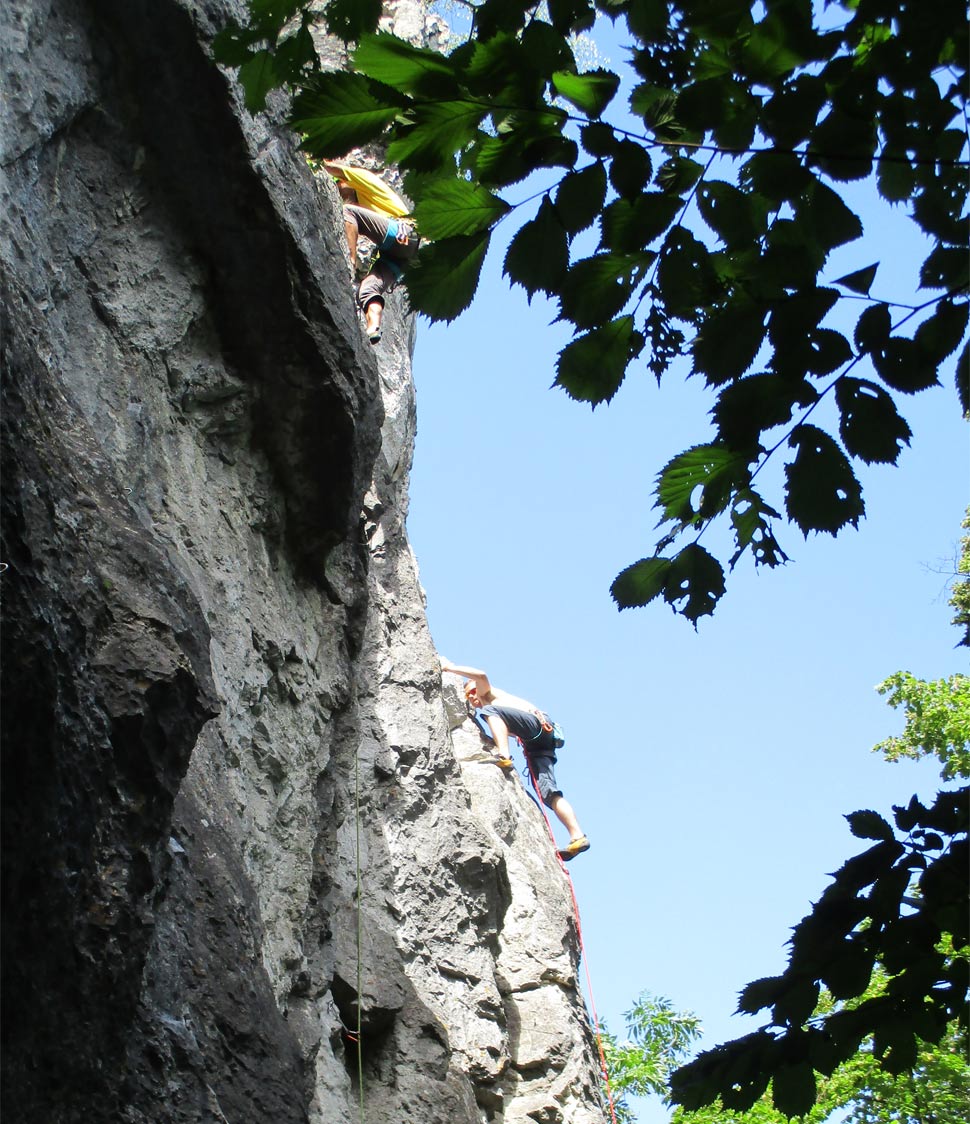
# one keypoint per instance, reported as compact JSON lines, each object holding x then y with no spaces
{"x":869,"y":825}
{"x":871,"y":427}
{"x":747,"y":408}
{"x":457,"y":207}
{"x":631,"y":226}
{"x":904,"y":365}
{"x":713,"y":469}
{"x":393,"y":62}
{"x":821,"y":491}
{"x":598,"y":139}
{"x":258,"y":76}
{"x":749,"y":517}
{"x":896,"y":176}
{"x":735,"y":216}
{"x":349,"y":20}
{"x":873,"y":328}
{"x":630,"y":169}
{"x":946,"y":267}
{"x":338,"y":111}
{"x":860,"y":281}
{"x":685,"y":275}
{"x":640,"y":583}
{"x":780,"y":176}
{"x":678,"y":175}
{"x":590,"y":92}
{"x":793,"y":1089}
{"x":695,"y":583}
{"x":592,"y":366}
{"x":444,"y":276}
{"x":580,"y":197}
{"x":234,"y":44}
{"x":728,"y":341}
{"x":832,"y":222}
{"x":943,"y":332}
{"x":596,"y":288}
{"x":538,"y":256}
{"x":691,"y":582}
{"x":438,"y":130}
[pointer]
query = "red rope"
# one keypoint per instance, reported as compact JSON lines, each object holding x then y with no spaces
{"x":579,"y":934}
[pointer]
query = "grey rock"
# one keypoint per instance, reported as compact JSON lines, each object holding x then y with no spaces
{"x":242,"y":815}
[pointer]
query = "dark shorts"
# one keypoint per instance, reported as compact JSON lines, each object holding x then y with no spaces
{"x":542,"y":775}
{"x":386,"y":271}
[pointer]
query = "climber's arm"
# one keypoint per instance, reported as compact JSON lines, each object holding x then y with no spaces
{"x":481,"y":679}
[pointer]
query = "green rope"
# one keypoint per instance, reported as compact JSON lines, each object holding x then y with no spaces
{"x":360,"y":1050}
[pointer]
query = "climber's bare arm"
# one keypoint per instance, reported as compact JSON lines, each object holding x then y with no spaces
{"x":482,"y":683}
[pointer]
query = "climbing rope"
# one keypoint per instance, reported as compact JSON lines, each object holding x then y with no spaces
{"x":360,"y":1049}
{"x":579,"y":934}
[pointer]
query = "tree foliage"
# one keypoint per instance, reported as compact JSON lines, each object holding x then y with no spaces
{"x":716,"y":180}
{"x":937,"y":711}
{"x":658,"y":1039}
{"x":860,"y":1091}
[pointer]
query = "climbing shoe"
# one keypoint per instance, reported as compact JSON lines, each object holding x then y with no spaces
{"x":374,"y":337}
{"x":502,"y":762}
{"x":574,"y":848}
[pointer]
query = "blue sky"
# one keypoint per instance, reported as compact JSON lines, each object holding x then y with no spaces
{"x":711,"y":769}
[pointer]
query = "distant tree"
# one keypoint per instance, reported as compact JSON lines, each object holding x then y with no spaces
{"x":717,"y":183}
{"x":658,"y":1039}
{"x":880,"y":967}
{"x":935,"y":1091}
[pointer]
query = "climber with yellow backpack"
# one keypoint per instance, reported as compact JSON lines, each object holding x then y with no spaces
{"x":373,"y":209}
{"x":501,"y":715}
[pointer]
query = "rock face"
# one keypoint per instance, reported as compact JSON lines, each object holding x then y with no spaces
{"x":241,"y":814}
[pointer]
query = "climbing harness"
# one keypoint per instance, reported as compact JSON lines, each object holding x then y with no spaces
{"x":579,"y":934}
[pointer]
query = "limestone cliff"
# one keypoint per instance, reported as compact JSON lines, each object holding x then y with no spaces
{"x":239,"y":810}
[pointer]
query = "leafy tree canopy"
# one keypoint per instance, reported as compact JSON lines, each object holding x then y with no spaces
{"x":859,"y":1090}
{"x":715,"y":181}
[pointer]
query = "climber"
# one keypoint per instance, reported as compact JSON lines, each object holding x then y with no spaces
{"x":506,"y":714}
{"x":371,"y":208}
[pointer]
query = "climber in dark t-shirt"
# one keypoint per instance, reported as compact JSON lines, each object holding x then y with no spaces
{"x":501,"y":714}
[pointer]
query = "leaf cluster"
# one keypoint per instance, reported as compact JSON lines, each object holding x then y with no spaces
{"x":899,"y":907}
{"x":716,"y":220}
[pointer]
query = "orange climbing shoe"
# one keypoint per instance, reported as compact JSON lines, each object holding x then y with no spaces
{"x":502,"y":762}
{"x":574,"y":848}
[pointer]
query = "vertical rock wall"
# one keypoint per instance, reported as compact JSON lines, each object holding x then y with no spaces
{"x":239,"y":814}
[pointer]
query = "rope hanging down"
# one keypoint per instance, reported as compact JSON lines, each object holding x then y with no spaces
{"x":582,"y":948}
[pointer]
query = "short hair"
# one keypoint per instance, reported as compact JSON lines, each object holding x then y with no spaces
{"x":471,"y":686}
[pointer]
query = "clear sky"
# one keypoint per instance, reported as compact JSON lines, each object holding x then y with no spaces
{"x":710,"y":769}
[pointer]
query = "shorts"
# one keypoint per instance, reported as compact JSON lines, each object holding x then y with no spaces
{"x":543,"y":775}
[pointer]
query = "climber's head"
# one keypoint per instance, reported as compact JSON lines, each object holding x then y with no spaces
{"x":471,"y":693}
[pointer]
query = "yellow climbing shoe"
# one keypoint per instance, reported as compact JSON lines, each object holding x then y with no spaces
{"x":574,"y":848}
{"x":503,"y":762}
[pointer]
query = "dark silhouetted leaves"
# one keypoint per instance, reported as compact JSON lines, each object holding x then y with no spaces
{"x":630,"y":169}
{"x":691,"y":583}
{"x":737,"y":217}
{"x":539,"y":254}
{"x":860,"y":281}
{"x":726,"y":345}
{"x":596,"y":288}
{"x":580,"y":197}
{"x":871,"y":427}
{"x":793,"y":1089}
{"x":751,"y":519}
{"x":821,"y":492}
{"x":350,"y":19}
